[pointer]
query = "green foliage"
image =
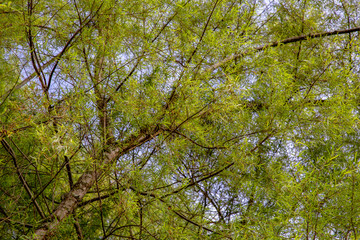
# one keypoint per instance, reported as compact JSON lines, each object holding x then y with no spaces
{"x":179,"y":119}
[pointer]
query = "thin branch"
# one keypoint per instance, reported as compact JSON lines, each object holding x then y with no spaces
{"x":203,"y":33}
{"x":174,"y":211}
{"x":68,"y":44}
{"x":216,"y":172}
{"x":17,"y":223}
{"x":21,"y":177}
{"x":34,"y":58}
{"x":29,"y":78}
{"x":97,"y":199}
{"x":143,"y":53}
{"x":194,"y":142}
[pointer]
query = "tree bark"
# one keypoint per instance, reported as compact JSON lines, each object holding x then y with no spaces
{"x":86,"y":181}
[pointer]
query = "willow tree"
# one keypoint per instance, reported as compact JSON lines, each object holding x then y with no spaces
{"x":179,"y":119}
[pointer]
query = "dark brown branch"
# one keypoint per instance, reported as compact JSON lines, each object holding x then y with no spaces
{"x":29,"y":78}
{"x":68,"y":169}
{"x":71,"y":183}
{"x":278,"y":43}
{"x":34,"y":58}
{"x":307,"y":37}
{"x":194,"y":142}
{"x":212,"y":201}
{"x":21,"y":177}
{"x":203,"y":33}
{"x":143,"y":53}
{"x":68,"y":44}
{"x":96,"y":199}
{"x":174,"y":211}
{"x":216,"y":172}
{"x":17,"y":223}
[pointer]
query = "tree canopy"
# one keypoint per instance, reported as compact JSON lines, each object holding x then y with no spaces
{"x":190,"y":119}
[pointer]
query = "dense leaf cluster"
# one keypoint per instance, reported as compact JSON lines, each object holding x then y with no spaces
{"x":192,"y":119}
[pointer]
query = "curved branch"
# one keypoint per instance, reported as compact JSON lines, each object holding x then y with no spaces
{"x":194,"y":142}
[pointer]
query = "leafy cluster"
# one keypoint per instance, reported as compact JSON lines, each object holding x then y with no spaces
{"x":189,"y":119}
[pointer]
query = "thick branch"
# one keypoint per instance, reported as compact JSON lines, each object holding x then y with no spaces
{"x":85,"y":182}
